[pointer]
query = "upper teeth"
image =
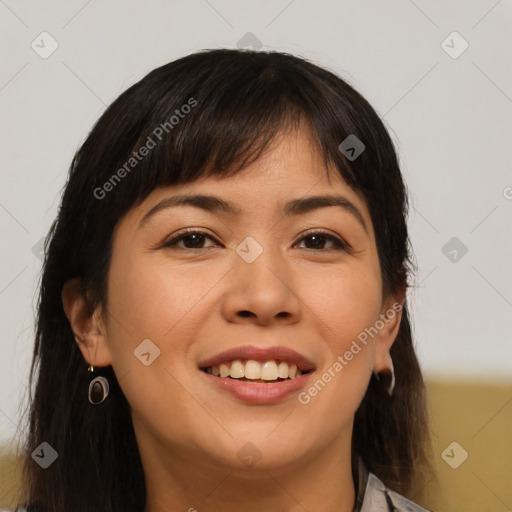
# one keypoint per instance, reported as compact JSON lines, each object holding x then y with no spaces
{"x":269,"y":370}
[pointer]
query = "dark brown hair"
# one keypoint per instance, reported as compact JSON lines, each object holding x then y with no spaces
{"x":237,"y":102}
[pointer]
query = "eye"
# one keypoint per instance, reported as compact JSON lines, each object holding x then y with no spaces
{"x":190,"y":238}
{"x":319,"y":238}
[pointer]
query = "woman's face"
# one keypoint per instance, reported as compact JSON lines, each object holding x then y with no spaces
{"x":257,"y":278}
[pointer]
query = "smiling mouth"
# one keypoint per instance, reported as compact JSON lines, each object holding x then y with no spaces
{"x":270,"y":371}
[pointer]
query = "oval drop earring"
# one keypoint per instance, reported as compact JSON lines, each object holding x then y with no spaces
{"x":98,"y":388}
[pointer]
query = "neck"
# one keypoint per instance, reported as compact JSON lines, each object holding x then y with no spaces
{"x":322,"y":482}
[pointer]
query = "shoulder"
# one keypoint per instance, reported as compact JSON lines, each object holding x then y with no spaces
{"x":378,"y":495}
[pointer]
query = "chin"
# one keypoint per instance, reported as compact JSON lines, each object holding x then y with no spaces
{"x":255,"y":453}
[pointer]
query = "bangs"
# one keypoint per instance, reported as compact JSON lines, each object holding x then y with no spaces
{"x":216,"y":119}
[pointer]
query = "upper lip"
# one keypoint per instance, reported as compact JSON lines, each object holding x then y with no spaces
{"x":260,"y":354}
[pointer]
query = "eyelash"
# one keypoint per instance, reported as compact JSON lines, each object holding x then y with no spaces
{"x":338,"y":243}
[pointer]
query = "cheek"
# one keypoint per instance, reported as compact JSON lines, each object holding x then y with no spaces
{"x":346,"y":300}
{"x":347,"y":303}
{"x":160,"y":303}
{"x":153,"y":301}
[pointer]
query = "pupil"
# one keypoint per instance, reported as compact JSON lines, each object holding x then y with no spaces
{"x":318,"y":240}
{"x":195,"y":239}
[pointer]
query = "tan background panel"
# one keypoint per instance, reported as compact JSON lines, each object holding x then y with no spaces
{"x":479,"y":418}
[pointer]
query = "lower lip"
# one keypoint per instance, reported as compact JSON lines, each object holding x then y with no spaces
{"x":259,"y":392}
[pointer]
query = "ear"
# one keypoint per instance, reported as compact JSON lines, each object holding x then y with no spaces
{"x":391,"y":316}
{"x":86,"y":323}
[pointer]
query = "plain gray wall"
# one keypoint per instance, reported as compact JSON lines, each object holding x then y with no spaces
{"x":449,"y":115}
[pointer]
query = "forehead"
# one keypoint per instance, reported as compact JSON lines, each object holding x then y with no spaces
{"x":292,"y":162}
{"x":292,"y":167}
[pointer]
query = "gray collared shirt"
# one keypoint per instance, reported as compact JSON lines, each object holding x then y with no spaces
{"x":374,"y":496}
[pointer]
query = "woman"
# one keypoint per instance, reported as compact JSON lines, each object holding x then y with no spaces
{"x":229,"y":262}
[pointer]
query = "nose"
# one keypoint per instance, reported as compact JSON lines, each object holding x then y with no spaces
{"x":262,"y":292}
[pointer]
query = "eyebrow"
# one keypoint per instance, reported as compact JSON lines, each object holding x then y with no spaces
{"x":294,"y":207}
